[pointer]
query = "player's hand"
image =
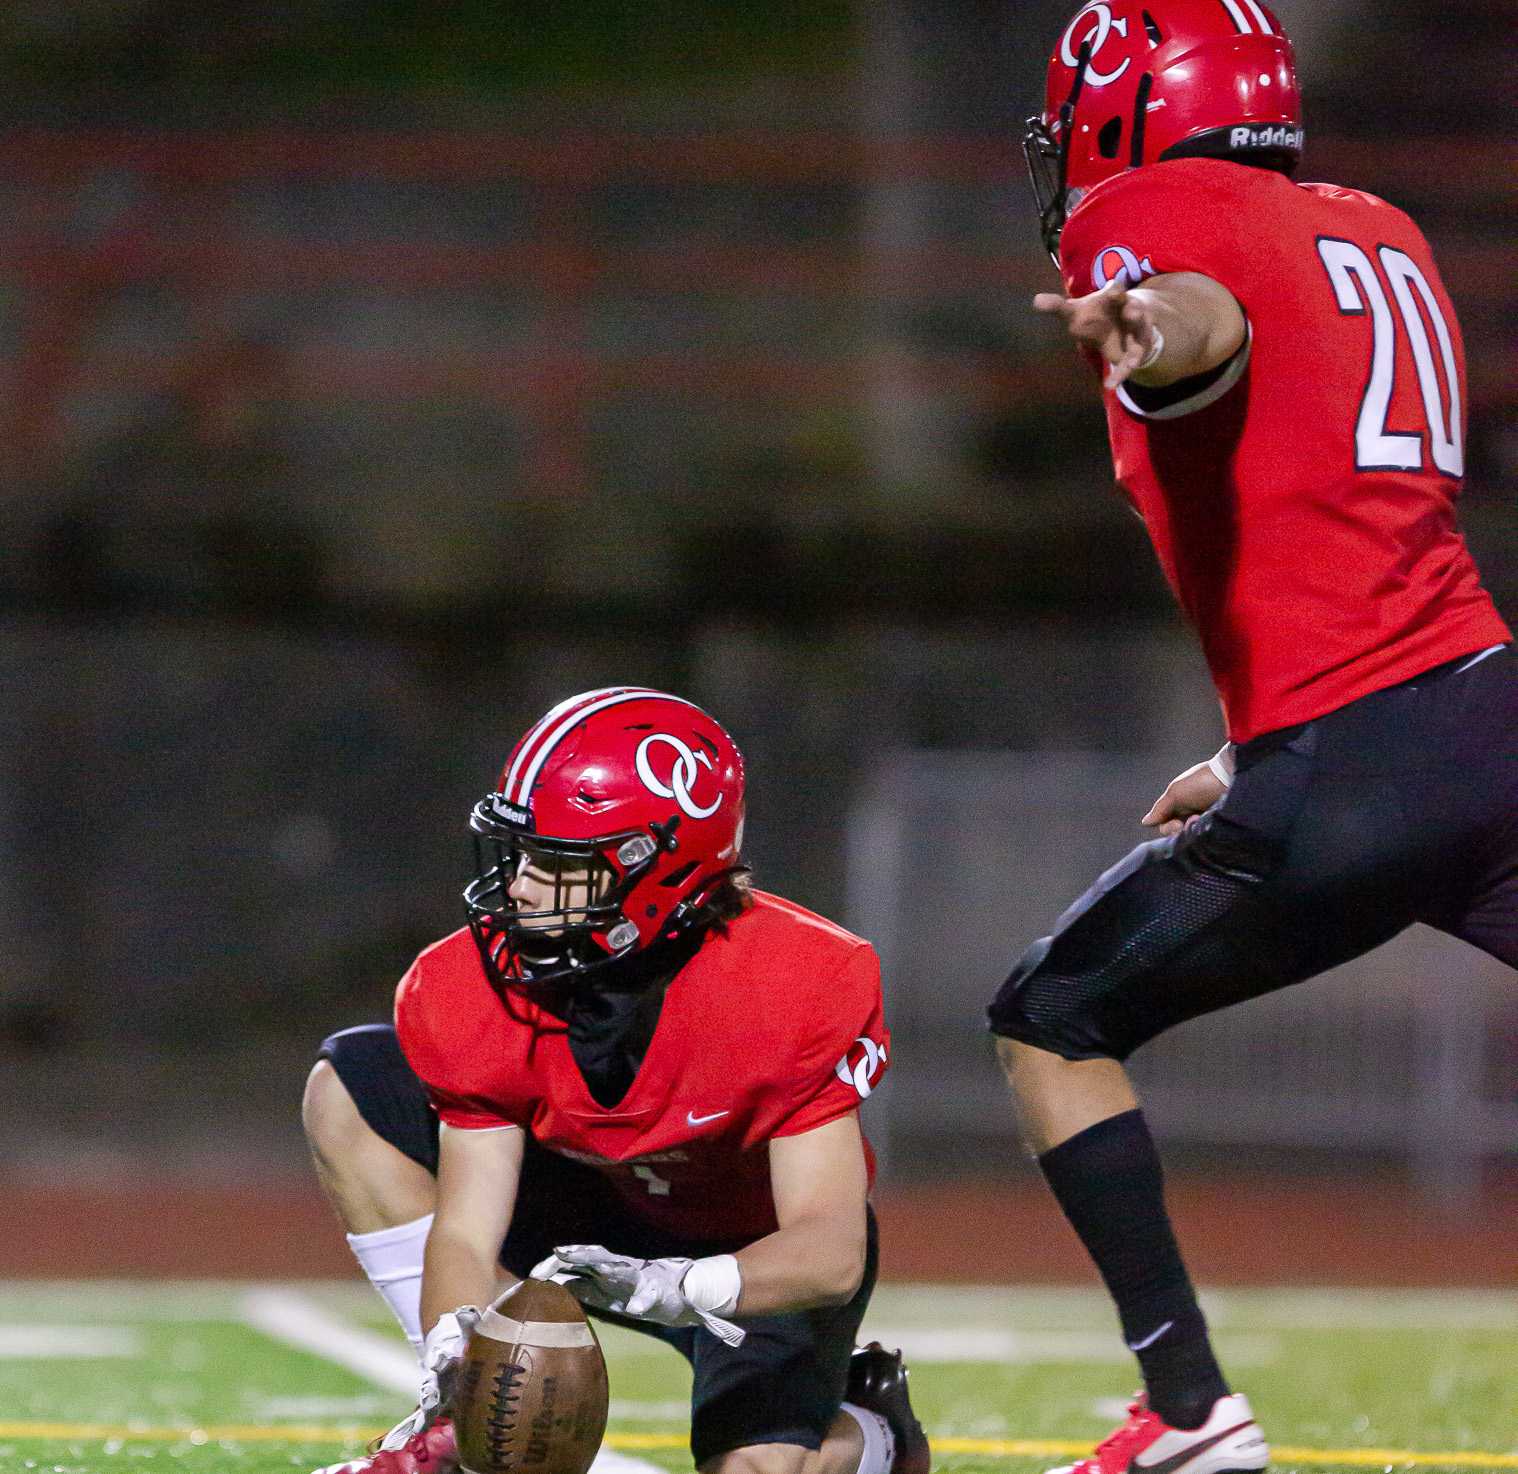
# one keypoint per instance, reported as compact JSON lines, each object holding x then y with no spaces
{"x":646,"y":1289}
{"x":1189,"y":794}
{"x":441,"y":1353}
{"x":1113,"y":321}
{"x":593,"y":1275}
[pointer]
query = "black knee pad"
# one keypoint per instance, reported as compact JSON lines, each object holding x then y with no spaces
{"x":1175,"y":930}
{"x":1038,"y":1006}
{"x":390,"y":1098}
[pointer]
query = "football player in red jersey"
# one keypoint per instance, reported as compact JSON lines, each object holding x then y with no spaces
{"x":636,"y":1074}
{"x":1284,"y":384}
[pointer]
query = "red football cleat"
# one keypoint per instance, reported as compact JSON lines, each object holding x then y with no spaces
{"x":432,"y":1451}
{"x":1230,"y":1440}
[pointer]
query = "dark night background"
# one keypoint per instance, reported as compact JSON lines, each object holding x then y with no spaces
{"x":381,"y":373}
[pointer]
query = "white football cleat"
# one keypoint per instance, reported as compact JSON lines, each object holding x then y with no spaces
{"x":1230,"y":1440}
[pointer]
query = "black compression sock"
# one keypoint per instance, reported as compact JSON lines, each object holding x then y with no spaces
{"x":1109,"y":1182}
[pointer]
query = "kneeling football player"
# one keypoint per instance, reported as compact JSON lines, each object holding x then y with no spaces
{"x":634,"y":1072}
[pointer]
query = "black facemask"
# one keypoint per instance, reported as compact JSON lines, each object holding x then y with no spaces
{"x":1049,"y":160}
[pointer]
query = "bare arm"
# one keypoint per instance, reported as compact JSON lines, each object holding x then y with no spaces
{"x":816,"y":1255}
{"x":477,"y":1177}
{"x":1197,"y":322}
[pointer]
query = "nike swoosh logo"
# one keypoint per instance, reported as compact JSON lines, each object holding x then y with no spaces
{"x":692,"y":1119}
{"x":1150,"y":1339}
{"x":1186,"y":1455}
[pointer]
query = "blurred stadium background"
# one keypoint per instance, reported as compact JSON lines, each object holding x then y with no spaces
{"x":377,"y":373}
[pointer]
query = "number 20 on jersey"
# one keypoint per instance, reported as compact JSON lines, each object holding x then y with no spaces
{"x":1357,"y":287}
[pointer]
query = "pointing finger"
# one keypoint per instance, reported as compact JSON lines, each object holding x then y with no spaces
{"x":1123,"y":367}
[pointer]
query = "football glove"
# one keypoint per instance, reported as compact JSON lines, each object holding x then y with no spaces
{"x":645,"y":1289}
{"x":441,"y":1353}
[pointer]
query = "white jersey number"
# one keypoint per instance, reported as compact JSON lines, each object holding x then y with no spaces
{"x":1375,"y":448}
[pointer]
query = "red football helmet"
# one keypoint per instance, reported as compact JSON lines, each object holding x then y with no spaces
{"x":1135,"y":81}
{"x":640,"y":787}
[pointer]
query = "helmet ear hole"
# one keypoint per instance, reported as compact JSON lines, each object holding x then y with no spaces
{"x":680,"y":876}
{"x":1110,"y":138}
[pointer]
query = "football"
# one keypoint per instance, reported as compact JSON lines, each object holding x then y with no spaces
{"x":531,"y":1395}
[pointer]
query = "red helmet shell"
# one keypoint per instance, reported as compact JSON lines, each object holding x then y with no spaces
{"x":1210,"y":65}
{"x":623,"y":761}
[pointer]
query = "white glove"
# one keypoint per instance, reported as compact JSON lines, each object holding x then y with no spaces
{"x":441,"y":1353}
{"x":646,"y":1289}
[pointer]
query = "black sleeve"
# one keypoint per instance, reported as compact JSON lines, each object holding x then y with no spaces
{"x":1151,"y":398}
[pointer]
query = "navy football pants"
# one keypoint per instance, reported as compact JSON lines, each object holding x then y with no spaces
{"x":782,"y":1385}
{"x":1336,"y":835}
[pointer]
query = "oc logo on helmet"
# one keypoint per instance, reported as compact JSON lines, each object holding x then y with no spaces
{"x":1106,"y":24}
{"x":682,"y":775}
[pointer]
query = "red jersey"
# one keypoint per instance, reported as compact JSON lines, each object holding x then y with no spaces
{"x":1303,"y":504}
{"x":772,"y":1029}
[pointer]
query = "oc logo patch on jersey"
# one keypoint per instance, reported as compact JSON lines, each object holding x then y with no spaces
{"x":861,"y":1065}
{"x":1118,"y":263}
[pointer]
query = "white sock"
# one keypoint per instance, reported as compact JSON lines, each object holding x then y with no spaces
{"x":392,"y":1258}
{"x":879,"y":1442}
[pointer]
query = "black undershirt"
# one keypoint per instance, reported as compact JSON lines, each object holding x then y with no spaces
{"x":612,"y":1021}
{"x":1151,"y":398}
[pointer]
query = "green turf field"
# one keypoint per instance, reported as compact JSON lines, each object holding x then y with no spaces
{"x":212,"y":1379}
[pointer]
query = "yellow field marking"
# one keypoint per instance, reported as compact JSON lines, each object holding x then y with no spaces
{"x":1384,"y":1456}
{"x":1367,"y":1457}
{"x":1032,"y":1448}
{"x":232,"y":1433}
{"x":264,"y":1433}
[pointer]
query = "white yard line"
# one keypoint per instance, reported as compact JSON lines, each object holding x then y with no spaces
{"x":673,"y":1410}
{"x":292,"y":1318}
{"x":926,"y":1345}
{"x":157,"y":1301}
{"x":982,"y":1306}
{"x":367,"y":1407}
{"x":1356,"y":1309}
{"x":609,"y":1461}
{"x":289,"y":1317}
{"x":72,"y":1343}
{"x":1251,"y":1309}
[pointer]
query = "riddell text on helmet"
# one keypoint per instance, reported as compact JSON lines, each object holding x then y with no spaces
{"x":1275,"y":136}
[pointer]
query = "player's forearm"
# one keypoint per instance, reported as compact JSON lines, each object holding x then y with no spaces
{"x":812,"y":1262}
{"x":455,"y":1271}
{"x":1200,"y":322}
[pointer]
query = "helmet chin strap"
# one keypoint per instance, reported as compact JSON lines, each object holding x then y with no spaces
{"x":677,"y":941}
{"x":1052,"y":215}
{"x":1067,"y":126}
{"x":1140,"y":118}
{"x":1067,"y":112}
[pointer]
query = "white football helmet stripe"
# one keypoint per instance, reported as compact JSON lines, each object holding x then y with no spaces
{"x":570,"y":722}
{"x":1260,"y":16}
{"x":1239,"y":18}
{"x":545,"y":722}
